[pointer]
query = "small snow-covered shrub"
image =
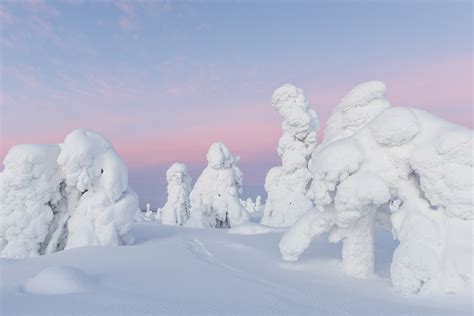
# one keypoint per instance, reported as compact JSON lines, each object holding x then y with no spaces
{"x":252,"y":206}
{"x":148,"y":214}
{"x":63,"y":196}
{"x":399,"y":159}
{"x":215,"y":197}
{"x":287,"y":185}
{"x":176,"y":209}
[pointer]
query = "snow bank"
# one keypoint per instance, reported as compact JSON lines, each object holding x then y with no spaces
{"x":286,"y":185}
{"x":176,"y":209}
{"x":376,"y":159}
{"x":64,"y":196}
{"x":215,"y":197}
{"x":58,"y":280}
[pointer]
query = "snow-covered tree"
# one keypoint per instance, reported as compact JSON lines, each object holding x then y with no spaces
{"x":400,"y":159}
{"x":258,"y":203}
{"x":95,"y":173}
{"x":159,"y":214}
{"x":64,"y":196}
{"x":287,"y":185}
{"x":30,"y":195}
{"x":176,"y":209}
{"x":215,"y":197}
{"x":148,"y":214}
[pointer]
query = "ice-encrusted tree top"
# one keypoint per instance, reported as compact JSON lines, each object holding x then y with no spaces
{"x":177,"y":174}
{"x":90,"y":162}
{"x":297,"y":118}
{"x":287,"y":184}
{"x":356,"y":109}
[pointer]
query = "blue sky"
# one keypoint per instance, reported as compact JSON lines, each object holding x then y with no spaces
{"x":163,"y":80}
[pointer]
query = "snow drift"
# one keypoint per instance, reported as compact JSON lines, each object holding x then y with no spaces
{"x":62,"y":196}
{"x":287,"y":185}
{"x":215,"y":199}
{"x":377,"y":160}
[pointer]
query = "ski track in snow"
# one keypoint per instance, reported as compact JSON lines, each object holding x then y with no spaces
{"x":200,"y":251}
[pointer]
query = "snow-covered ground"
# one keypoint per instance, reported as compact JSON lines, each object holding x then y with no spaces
{"x":179,"y":270}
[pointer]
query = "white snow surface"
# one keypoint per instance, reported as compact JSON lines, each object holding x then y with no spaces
{"x":287,"y":185}
{"x":395,"y":160}
{"x":173,"y":270}
{"x":215,"y":199}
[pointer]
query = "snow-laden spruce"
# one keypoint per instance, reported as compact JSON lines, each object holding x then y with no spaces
{"x":399,"y":160}
{"x":215,"y":197}
{"x":63,"y":196}
{"x":287,"y":185}
{"x":176,"y":209}
{"x":30,"y":196}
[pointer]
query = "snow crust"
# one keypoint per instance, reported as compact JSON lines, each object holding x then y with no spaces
{"x":377,"y":161}
{"x":287,"y":185}
{"x":177,"y":207}
{"x":215,"y":199}
{"x":55,"y":197}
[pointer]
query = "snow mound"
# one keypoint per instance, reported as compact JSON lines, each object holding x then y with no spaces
{"x":57,"y":280}
{"x":287,"y":184}
{"x":63,"y":196}
{"x":215,"y":199}
{"x":397,"y":162}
